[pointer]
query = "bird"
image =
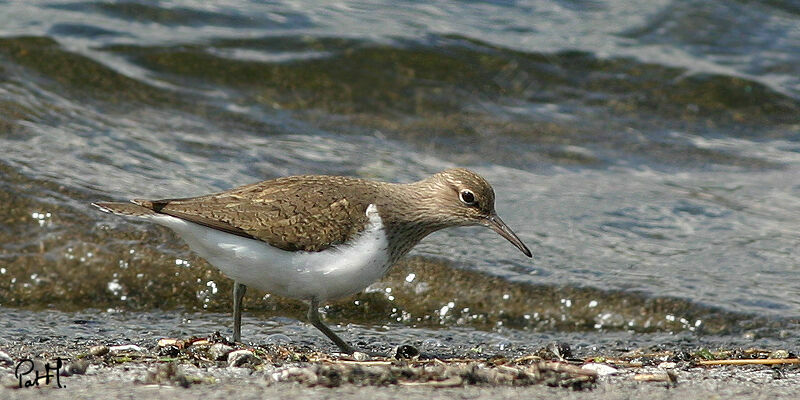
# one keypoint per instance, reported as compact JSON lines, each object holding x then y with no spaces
{"x":319,"y":238}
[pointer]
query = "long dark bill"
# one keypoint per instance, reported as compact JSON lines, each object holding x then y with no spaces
{"x":500,"y":227}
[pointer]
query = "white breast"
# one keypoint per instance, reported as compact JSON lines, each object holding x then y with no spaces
{"x":329,"y":274}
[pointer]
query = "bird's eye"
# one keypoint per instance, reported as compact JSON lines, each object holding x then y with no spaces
{"x":467,"y":197}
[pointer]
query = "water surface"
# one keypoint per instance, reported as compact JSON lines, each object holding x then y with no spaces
{"x":648,"y":154}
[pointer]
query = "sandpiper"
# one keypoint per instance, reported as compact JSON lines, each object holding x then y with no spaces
{"x":318,"y":238}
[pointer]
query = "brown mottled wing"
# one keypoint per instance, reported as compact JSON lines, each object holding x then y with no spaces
{"x":309,"y":213}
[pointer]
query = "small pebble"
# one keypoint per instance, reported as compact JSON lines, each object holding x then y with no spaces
{"x":74,"y":368}
{"x":779,"y":354}
{"x":219,"y":351}
{"x":169,"y":351}
{"x":405,"y":351}
{"x":5,"y":359}
{"x":359,"y":356}
{"x":601,"y":369}
{"x":167,"y":342}
{"x":125,"y":347}
{"x":240,"y":357}
{"x":99,"y":350}
{"x":666,"y":376}
{"x":560,"y":350}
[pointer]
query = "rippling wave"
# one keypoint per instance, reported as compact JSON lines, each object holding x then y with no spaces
{"x":648,"y":154}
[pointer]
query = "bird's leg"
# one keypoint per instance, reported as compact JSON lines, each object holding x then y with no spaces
{"x":313,"y":317}
{"x":238,"y":293}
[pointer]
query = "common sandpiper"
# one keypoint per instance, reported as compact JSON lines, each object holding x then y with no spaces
{"x":319,"y":238}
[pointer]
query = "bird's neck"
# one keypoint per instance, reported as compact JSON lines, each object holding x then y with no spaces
{"x":411,"y":216}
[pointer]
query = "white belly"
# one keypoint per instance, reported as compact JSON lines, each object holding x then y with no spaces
{"x":329,"y":274}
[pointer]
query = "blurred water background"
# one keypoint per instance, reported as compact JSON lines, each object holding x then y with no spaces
{"x":647,"y":152}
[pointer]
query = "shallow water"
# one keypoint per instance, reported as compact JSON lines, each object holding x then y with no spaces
{"x":648,"y":154}
{"x":52,"y":333}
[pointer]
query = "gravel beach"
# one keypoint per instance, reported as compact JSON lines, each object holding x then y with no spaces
{"x":212,"y":368}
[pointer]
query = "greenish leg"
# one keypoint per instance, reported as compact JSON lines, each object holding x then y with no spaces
{"x":313,"y":317}
{"x":238,"y":294}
